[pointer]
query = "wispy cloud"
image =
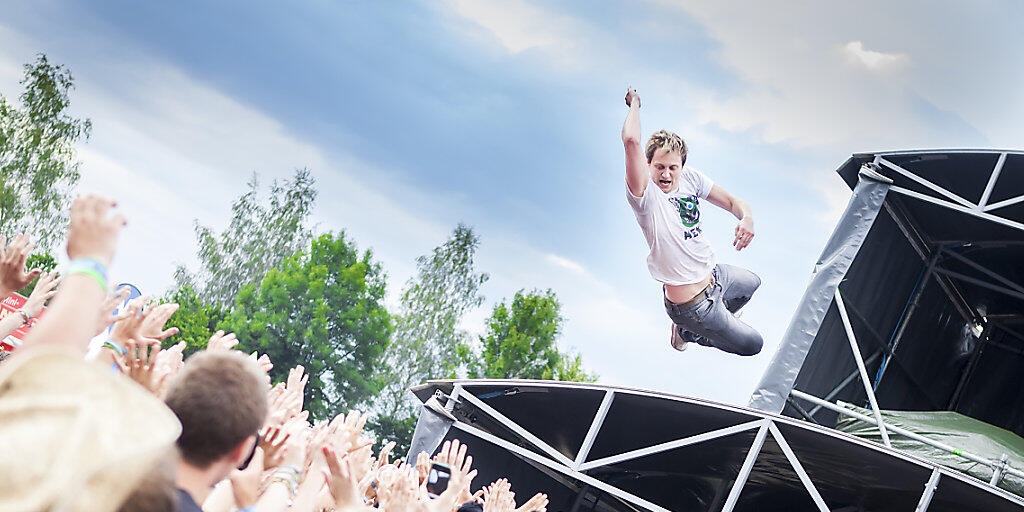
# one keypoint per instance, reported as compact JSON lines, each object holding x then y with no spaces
{"x":518,"y":25}
{"x":567,"y":264}
{"x":872,"y":60}
{"x":805,"y":79}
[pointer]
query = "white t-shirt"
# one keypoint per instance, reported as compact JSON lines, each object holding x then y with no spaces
{"x":671,"y":223}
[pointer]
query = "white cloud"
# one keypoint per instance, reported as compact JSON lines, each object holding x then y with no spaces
{"x":834,"y":194}
{"x":872,"y":60}
{"x":811,"y":79}
{"x":566,"y":263}
{"x":516,"y":24}
{"x":524,"y":27}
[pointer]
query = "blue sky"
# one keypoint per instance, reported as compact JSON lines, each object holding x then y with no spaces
{"x":414,"y":116}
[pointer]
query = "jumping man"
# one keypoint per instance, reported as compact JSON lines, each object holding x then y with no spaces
{"x":700,"y":296}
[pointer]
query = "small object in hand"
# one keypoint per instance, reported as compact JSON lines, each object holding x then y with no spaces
{"x":437,"y":480}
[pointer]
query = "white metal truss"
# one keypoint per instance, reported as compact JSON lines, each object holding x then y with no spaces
{"x":861,"y":368}
{"x":980,"y":268}
{"x":567,"y":473}
{"x":910,"y":434}
{"x":748,"y":466}
{"x":970,"y":210}
{"x":952,"y":200}
{"x":799,"y":468}
{"x":671,"y":445}
{"x":929,"y":491}
{"x":927,"y":184}
{"x":525,"y":434}
{"x":576,"y":468}
{"x":992,"y":181}
{"x":561,"y":468}
{"x":595,"y":427}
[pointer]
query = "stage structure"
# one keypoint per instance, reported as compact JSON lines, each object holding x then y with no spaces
{"x":915,"y":304}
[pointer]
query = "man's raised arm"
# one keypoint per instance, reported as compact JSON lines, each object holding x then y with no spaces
{"x":637,"y":174}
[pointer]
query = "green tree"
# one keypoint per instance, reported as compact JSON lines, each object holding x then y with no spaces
{"x":41,"y":260}
{"x":521,"y":342}
{"x":322,"y":308}
{"x":38,"y":165}
{"x":260,"y":236}
{"x":195,"y":319}
{"x":427,"y":333}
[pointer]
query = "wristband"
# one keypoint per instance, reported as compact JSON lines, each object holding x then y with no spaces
{"x":289,"y":476}
{"x":91,"y":268}
{"x":26,"y":318}
{"x":113,"y":345}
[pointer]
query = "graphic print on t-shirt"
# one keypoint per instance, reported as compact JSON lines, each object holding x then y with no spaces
{"x":688,"y":211}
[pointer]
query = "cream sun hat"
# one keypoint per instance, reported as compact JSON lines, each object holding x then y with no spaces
{"x":75,"y":437}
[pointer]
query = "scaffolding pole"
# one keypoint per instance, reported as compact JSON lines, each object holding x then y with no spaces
{"x":906,"y":433}
{"x":860,"y":367}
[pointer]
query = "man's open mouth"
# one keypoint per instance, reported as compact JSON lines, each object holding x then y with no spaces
{"x":664,"y":183}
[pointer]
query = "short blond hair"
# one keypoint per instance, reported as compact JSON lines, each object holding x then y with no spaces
{"x":667,"y":140}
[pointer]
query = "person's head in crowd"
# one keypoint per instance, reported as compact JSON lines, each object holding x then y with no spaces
{"x":221,"y":401}
{"x":156,"y":491}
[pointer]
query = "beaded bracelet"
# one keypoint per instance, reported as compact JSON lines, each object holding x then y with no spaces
{"x":26,"y":318}
{"x":91,"y":268}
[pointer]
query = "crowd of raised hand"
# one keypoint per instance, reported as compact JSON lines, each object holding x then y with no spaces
{"x":128,"y":425}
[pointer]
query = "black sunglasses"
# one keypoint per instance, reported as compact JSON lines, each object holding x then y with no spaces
{"x":252,"y":453}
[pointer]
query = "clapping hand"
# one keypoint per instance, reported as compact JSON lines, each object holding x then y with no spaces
{"x":538,"y":503}
{"x":139,"y":363}
{"x":144,"y":322}
{"x":499,"y":497}
{"x":264,"y":364}
{"x":106,"y":314}
{"x":168,"y":362}
{"x":453,"y":455}
{"x":272,"y":441}
{"x":13,"y":275}
{"x":296,"y":382}
{"x":45,"y":289}
{"x":221,"y":341}
{"x":382,"y":460}
{"x":92,"y":234}
{"x":342,"y":482}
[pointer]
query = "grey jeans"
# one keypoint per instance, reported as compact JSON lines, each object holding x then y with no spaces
{"x":712,"y":317}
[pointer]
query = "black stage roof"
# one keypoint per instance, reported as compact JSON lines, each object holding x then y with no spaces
{"x":506,"y":422}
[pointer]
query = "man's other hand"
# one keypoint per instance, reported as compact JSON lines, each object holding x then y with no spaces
{"x":744,"y":233}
